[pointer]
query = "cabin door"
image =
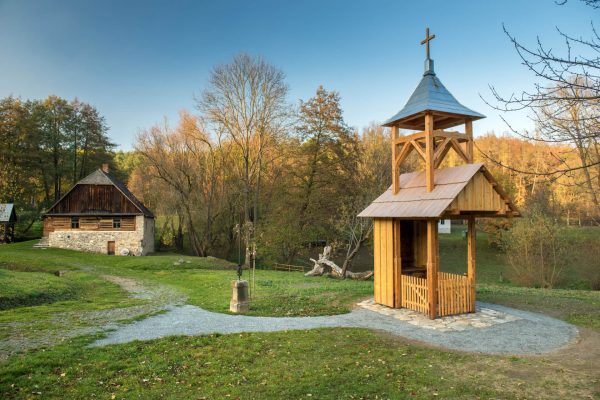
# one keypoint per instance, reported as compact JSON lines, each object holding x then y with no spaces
{"x":110,"y":248}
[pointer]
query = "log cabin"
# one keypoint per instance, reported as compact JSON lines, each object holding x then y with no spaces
{"x":405,"y":234}
{"x":99,"y":214}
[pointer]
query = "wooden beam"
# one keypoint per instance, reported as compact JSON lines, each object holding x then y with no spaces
{"x":439,"y":160}
{"x":419,"y":149}
{"x":408,"y":138}
{"x":459,"y":136}
{"x":397,"y":265}
{"x":441,"y":152}
{"x":432,"y":266}
{"x":429,"y":162}
{"x":471,"y":236}
{"x":459,"y":150}
{"x":448,"y":114}
{"x":469,"y":133}
{"x":395,"y":170}
{"x":406,"y":150}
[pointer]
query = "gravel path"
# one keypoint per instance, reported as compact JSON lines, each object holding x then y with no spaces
{"x":531,"y":334}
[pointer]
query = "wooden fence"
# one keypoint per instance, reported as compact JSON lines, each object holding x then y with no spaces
{"x":288,"y":267}
{"x":414,"y":293}
{"x":454,"y":294}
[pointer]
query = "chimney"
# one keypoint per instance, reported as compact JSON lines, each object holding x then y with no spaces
{"x":105,"y":168}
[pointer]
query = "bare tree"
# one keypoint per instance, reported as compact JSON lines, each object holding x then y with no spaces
{"x":564,"y":104}
{"x":246,"y":100}
{"x":187,"y":161}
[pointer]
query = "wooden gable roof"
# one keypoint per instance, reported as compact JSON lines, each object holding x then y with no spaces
{"x":99,"y":193}
{"x":464,"y":190}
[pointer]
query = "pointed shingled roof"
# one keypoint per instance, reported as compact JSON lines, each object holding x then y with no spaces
{"x":432,"y":96}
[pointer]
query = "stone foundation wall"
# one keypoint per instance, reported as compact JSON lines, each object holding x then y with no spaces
{"x":140,"y":241}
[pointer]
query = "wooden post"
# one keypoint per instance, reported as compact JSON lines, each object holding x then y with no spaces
{"x":471,"y":259}
{"x":395,"y":172}
{"x":432,"y":267}
{"x":429,"y":151}
{"x":397,"y":265}
{"x":469,"y":144}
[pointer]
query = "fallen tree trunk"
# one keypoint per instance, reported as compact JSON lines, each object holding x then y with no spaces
{"x":324,"y":266}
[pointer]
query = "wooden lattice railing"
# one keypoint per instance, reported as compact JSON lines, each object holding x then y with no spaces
{"x":414,"y":293}
{"x":454,"y":294}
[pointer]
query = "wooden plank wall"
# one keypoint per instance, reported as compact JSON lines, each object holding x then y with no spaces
{"x":397,"y":267}
{"x":383,"y":248}
{"x":86,"y":198}
{"x":479,"y":195}
{"x":420,"y":243}
{"x":52,"y":224}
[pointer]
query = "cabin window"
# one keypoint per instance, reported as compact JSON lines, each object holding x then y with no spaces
{"x":116,"y":223}
{"x":74,"y":223}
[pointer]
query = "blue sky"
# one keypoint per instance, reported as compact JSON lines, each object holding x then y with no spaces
{"x":138,"y":61}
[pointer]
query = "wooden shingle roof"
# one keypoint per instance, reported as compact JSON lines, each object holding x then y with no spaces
{"x":431,"y":96}
{"x":413,"y":201}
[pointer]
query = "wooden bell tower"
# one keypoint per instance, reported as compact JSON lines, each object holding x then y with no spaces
{"x":406,"y":250}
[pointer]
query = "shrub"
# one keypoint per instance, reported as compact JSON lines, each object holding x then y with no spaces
{"x":495,"y":229}
{"x":537,"y":250}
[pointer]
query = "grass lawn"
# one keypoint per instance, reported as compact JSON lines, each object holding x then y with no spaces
{"x":55,"y":318}
{"x":33,"y":288}
{"x":321,"y":364}
{"x":206,"y":282}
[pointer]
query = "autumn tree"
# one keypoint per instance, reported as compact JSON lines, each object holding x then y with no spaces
{"x":246,"y":100}
{"x":49,"y":145}
{"x":320,"y":167}
{"x":19,"y":154}
{"x":372,"y":176}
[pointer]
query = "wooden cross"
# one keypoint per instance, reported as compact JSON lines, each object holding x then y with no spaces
{"x":427,"y":40}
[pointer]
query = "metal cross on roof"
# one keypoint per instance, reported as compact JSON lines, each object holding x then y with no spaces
{"x":427,"y":40}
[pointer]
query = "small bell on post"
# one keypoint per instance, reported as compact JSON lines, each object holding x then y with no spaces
{"x":239,"y":297}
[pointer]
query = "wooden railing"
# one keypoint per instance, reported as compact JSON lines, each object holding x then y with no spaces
{"x":288,"y":267}
{"x":414,"y":293}
{"x":454,"y":294}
